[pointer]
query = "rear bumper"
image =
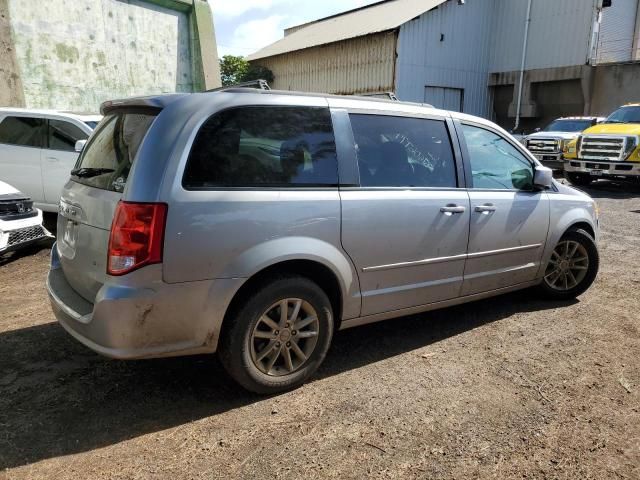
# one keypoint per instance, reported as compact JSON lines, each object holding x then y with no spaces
{"x":603,"y":169}
{"x":128,"y":322}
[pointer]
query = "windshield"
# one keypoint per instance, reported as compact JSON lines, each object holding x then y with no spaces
{"x":625,"y":115}
{"x":568,"y":126}
{"x":107,"y":159}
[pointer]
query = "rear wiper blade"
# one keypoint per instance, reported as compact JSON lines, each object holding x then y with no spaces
{"x":87,"y":172}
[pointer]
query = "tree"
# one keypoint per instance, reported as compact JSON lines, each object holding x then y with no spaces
{"x":235,"y":69}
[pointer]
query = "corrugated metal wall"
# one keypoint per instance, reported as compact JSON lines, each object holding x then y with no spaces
{"x":364,"y":64}
{"x":460,"y":59}
{"x":559,"y":33}
{"x":615,"y":42}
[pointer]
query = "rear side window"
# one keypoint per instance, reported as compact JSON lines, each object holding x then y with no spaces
{"x":106,"y":160}
{"x":64,"y":135}
{"x":264,"y":146}
{"x":403,"y":152}
{"x":22,"y":131}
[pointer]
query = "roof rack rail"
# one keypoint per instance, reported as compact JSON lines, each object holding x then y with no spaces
{"x":259,"y":84}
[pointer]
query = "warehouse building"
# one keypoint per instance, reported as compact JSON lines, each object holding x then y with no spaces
{"x":500,"y":59}
{"x":75,"y":54}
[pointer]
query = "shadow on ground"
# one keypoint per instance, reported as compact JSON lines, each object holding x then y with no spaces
{"x":7,"y":258}
{"x":58,"y":398}
{"x":613,"y":190}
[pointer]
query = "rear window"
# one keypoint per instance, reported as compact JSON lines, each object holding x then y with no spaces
{"x":22,"y":131}
{"x":107,"y":158}
{"x":264,"y":146}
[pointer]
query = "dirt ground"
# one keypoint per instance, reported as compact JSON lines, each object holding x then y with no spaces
{"x":511,"y":387}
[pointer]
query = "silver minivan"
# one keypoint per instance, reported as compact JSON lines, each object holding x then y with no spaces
{"x":257,"y":223}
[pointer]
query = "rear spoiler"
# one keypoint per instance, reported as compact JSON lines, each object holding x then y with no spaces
{"x":156,"y":103}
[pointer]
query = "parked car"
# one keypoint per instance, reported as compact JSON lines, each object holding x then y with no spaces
{"x":38,"y":151}
{"x":257,"y":223}
{"x":548,"y":144}
{"x":20,"y":222}
{"x":608,"y":150}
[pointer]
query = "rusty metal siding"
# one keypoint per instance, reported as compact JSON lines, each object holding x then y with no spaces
{"x":559,"y":33}
{"x":358,"y":65}
{"x":448,"y":47}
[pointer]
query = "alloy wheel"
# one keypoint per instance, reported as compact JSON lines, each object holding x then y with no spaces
{"x":568,"y":266}
{"x":284,"y":337}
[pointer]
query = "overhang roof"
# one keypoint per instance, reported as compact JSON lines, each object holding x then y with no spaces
{"x":379,"y":17}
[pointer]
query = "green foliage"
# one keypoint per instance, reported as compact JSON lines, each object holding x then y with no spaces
{"x":258,"y":72}
{"x":235,"y":69}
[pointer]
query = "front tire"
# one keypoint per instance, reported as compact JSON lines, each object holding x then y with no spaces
{"x":573,"y":266}
{"x":278,"y":337}
{"x":578,"y":179}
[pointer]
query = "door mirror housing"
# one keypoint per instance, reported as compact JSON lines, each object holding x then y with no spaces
{"x":536,"y":130}
{"x":80,"y":145}
{"x":542,"y":177}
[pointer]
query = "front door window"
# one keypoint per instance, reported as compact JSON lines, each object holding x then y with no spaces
{"x":495,"y":163}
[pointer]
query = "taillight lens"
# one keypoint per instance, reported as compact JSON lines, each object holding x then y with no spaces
{"x":137,"y":235}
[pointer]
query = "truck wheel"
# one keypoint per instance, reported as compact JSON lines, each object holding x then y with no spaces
{"x":578,"y":179}
{"x":573,"y":266}
{"x":278,"y":337}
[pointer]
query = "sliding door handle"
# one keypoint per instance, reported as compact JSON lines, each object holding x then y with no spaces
{"x":489,"y":207}
{"x":452,"y":209}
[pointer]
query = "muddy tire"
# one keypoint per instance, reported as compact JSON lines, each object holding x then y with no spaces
{"x":277,"y":337}
{"x":573,"y":266}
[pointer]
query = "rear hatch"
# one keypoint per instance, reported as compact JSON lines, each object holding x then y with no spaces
{"x":89,"y":200}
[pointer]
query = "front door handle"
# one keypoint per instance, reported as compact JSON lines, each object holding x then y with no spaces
{"x":53,"y":159}
{"x":486,"y":208}
{"x":452,"y":209}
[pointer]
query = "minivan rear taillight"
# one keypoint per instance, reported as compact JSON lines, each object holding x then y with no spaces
{"x":137,"y":235}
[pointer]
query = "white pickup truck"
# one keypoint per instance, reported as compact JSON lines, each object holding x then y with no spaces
{"x":38,"y":151}
{"x":548,"y":144}
{"x":20,"y":222}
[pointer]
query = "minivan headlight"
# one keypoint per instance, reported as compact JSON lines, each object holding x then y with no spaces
{"x":630,"y":145}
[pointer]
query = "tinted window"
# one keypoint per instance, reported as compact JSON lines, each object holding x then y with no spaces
{"x":625,"y":115}
{"x":495,"y":163}
{"x":91,"y":124}
{"x":264,"y":146}
{"x":568,"y":125}
{"x":403,"y":152}
{"x":107,"y":159}
{"x":64,"y":135}
{"x":24,"y":131}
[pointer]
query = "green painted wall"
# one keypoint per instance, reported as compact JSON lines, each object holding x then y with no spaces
{"x":75,"y":54}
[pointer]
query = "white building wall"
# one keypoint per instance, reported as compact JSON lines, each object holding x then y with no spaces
{"x":458,"y":60}
{"x":616,"y":38}
{"x":559,"y":33}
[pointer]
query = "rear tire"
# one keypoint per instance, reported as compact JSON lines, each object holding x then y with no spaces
{"x":573,"y":266}
{"x":266,"y":351}
{"x":578,"y":179}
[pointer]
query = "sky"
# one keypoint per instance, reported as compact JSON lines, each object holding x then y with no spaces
{"x":245,"y":26}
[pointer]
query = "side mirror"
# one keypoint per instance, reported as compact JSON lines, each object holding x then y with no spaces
{"x":542,"y":177}
{"x":537,"y":129}
{"x":80,"y":145}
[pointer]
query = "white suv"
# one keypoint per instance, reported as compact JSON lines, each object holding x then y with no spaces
{"x":38,"y":151}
